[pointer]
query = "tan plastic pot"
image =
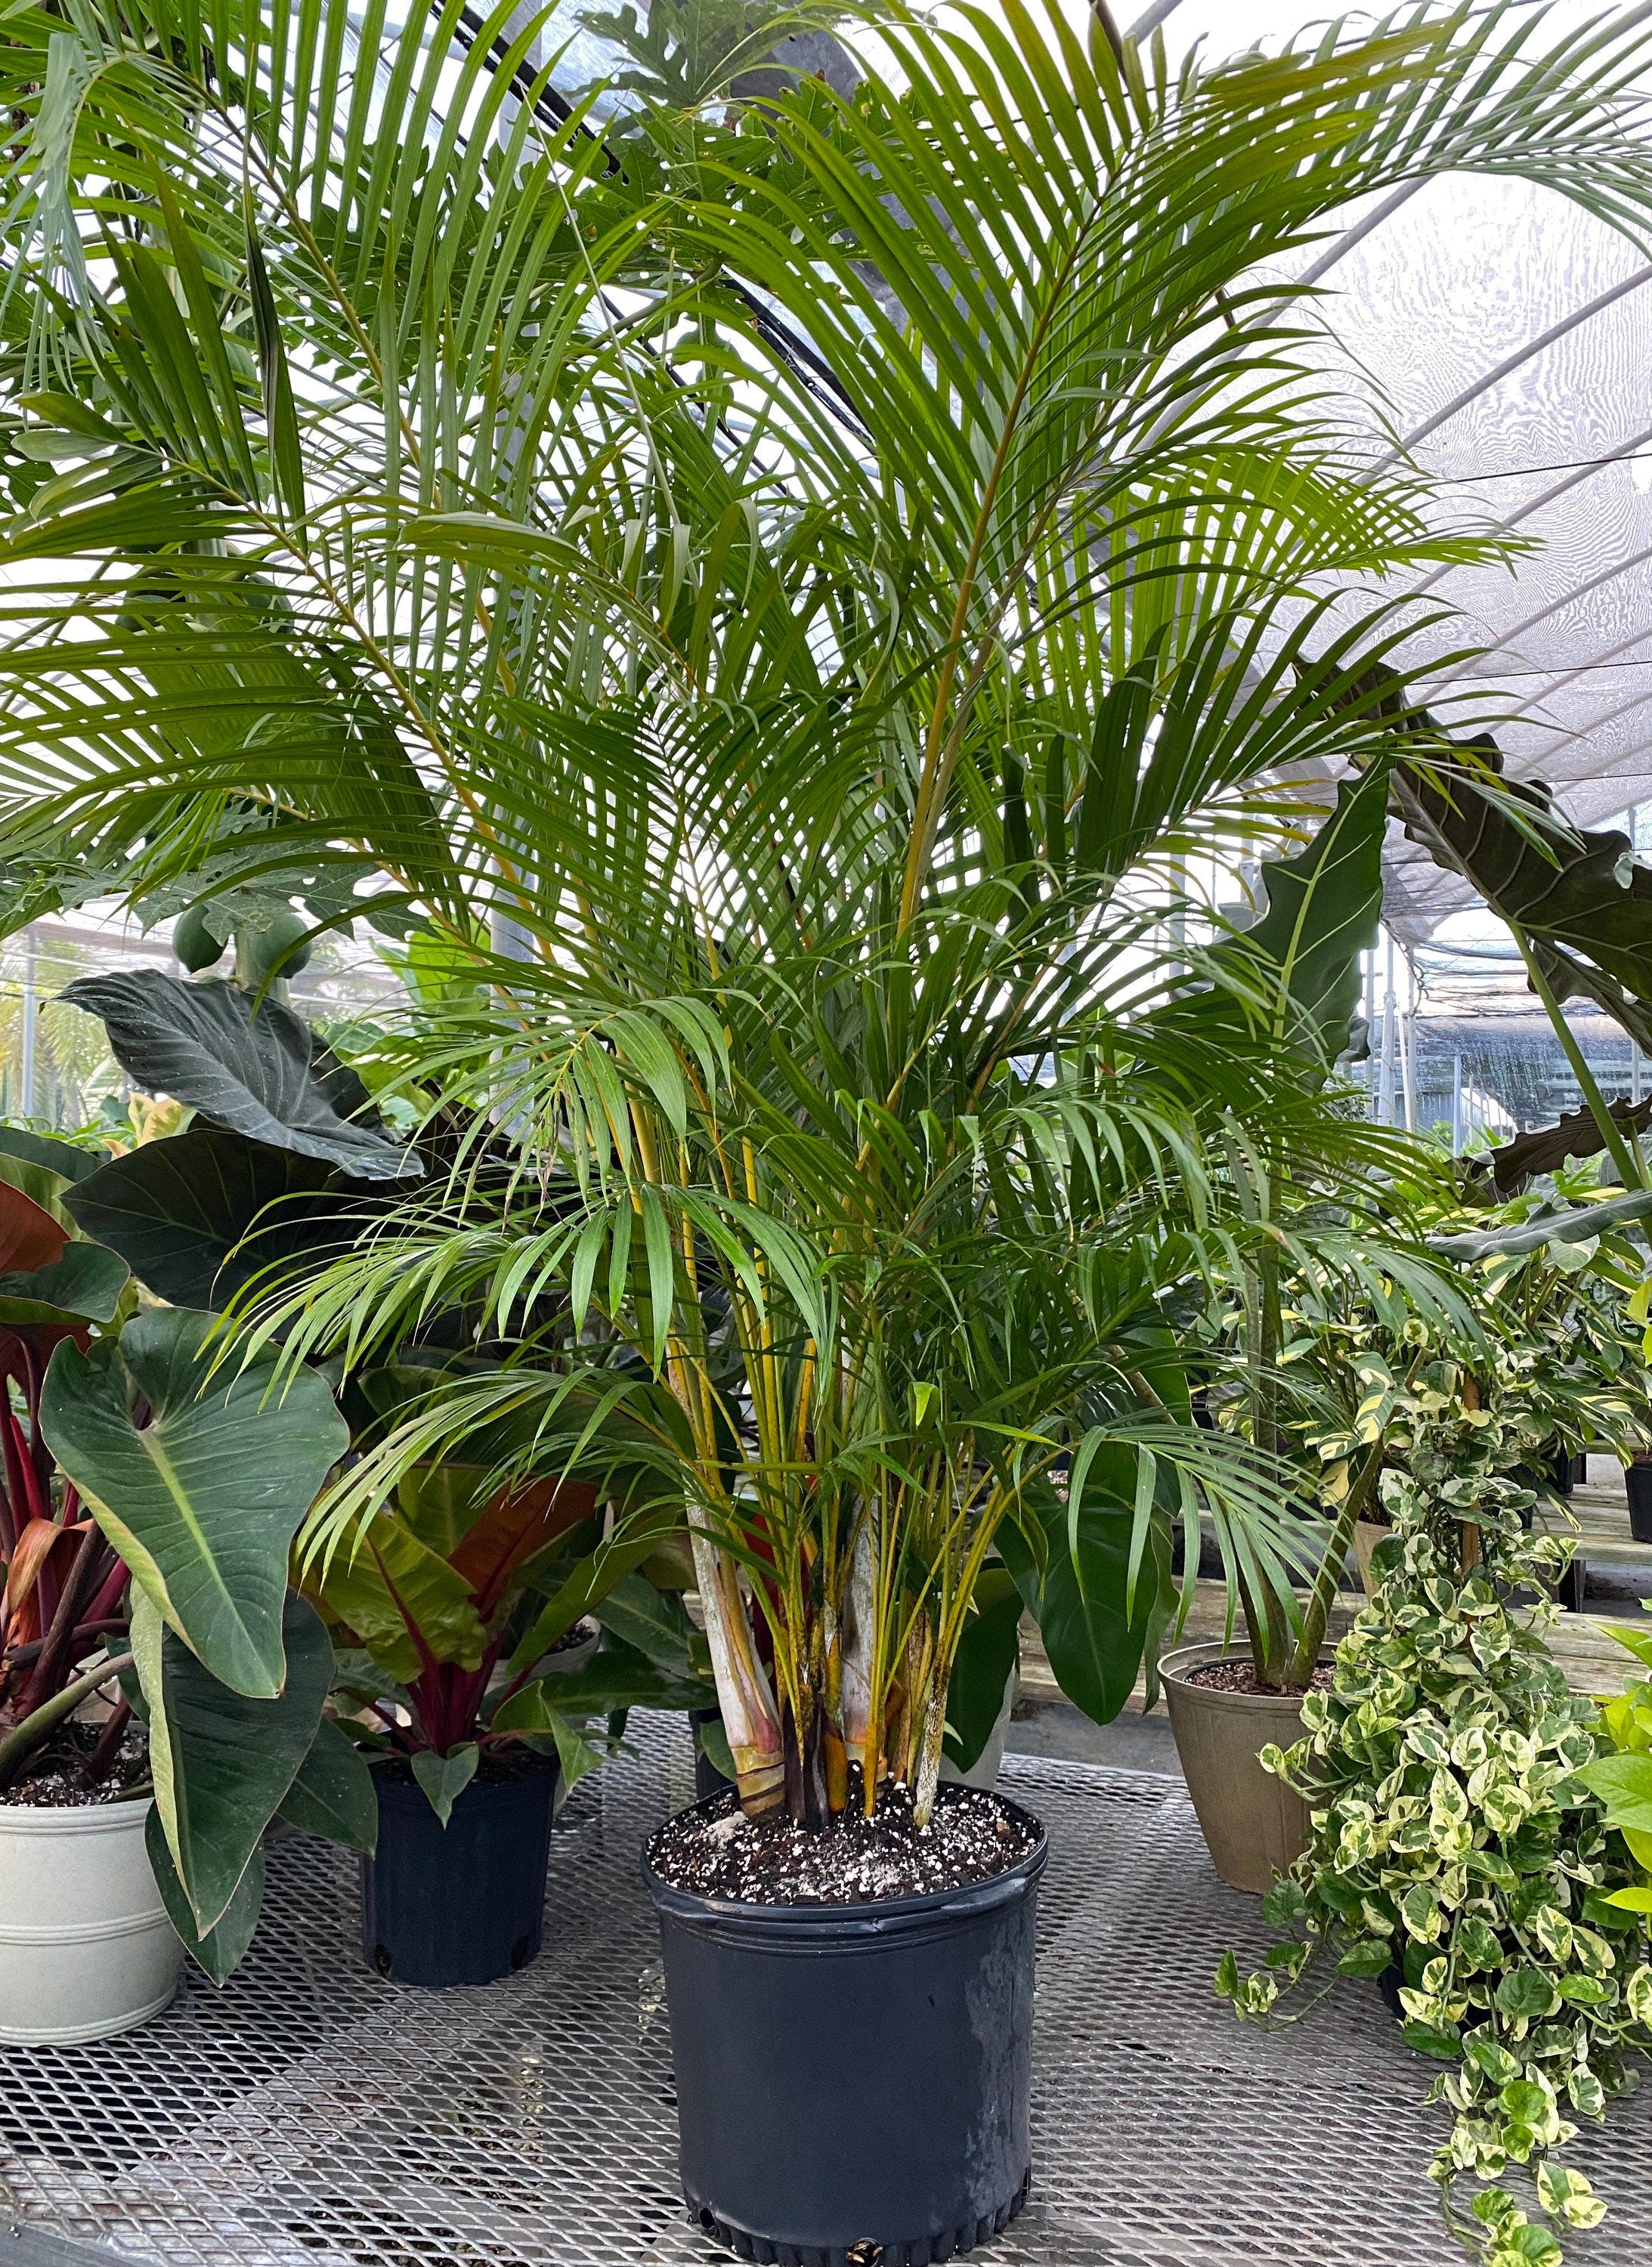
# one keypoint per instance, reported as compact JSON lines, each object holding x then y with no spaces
{"x":1252,"y":1825}
{"x":1367,"y":1536}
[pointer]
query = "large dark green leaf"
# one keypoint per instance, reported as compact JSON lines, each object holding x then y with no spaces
{"x":653,"y":1622}
{"x":611,"y":1680}
{"x":223,"y":1763}
{"x":987,"y":1654}
{"x":85,"y":1286}
{"x":203,"y":1499}
{"x":219,"y":1950}
{"x":1525,"y":1156}
{"x":1075,"y":1579}
{"x":63,"y":1158}
{"x":1556,"y":1224}
{"x":1322,"y":907}
{"x":334,"y":1795}
{"x":198,"y":1217}
{"x":1579,"y":895}
{"x":264,"y":1072}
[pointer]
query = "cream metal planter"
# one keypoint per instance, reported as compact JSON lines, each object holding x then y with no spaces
{"x":86,"y":1947}
{"x":1252,"y":1824}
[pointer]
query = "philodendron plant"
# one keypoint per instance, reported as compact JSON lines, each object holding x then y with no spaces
{"x":199,"y":1474}
{"x":1457,"y":1849}
{"x":449,"y":1600}
{"x":446,"y":1601}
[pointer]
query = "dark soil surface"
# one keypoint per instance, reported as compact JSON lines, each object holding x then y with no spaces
{"x":497,"y":1767}
{"x":1240,"y":1676}
{"x":719,"y":1852}
{"x":581,"y":1633}
{"x":56,"y":1778}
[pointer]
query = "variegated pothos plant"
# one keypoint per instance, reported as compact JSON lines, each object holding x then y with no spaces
{"x":1454,"y":1840}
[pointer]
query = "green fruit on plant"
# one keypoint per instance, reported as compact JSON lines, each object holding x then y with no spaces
{"x":277,"y":945}
{"x":193,"y":942}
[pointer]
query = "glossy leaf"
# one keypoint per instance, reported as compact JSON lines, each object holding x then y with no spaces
{"x":445,"y":1777}
{"x":607,"y":1682}
{"x":31,"y":1234}
{"x":84,"y":1285}
{"x":197,"y":1217}
{"x":1624,"y":1783}
{"x":223,"y":1763}
{"x":218,"y":1951}
{"x":1077,"y":1585}
{"x":67,"y":1159}
{"x":986,"y":1656}
{"x":334,"y":1795}
{"x":203,"y":1500}
{"x":390,"y":1584}
{"x":654,"y":1623}
{"x":259,"y":1070}
{"x":1320,"y":914}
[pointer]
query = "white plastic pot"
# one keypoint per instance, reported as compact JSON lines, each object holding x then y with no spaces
{"x":983,"y":1772}
{"x":571,"y":1658}
{"x":86,"y":1947}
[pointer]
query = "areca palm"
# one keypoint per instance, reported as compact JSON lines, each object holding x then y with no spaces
{"x":818,"y":573}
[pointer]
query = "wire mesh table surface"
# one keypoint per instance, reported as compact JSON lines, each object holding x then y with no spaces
{"x":314,"y":2115}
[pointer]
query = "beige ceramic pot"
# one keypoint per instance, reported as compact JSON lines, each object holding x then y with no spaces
{"x":1252,"y":1825}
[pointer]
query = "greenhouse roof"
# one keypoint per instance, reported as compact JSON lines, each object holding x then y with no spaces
{"x":1503,"y":337}
{"x":1506,"y":336}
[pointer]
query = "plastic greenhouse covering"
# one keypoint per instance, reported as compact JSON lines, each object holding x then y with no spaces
{"x":1503,"y":337}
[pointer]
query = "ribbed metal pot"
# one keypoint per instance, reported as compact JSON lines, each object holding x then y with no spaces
{"x":86,"y":1949}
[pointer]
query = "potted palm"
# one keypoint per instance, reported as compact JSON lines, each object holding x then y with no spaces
{"x":816,"y":714}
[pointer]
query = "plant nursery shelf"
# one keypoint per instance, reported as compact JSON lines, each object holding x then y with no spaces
{"x":314,"y":2115}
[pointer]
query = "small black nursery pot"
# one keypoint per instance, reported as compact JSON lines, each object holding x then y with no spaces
{"x":1638,"y":1487}
{"x":464,"y":1903}
{"x":853,"y":2078}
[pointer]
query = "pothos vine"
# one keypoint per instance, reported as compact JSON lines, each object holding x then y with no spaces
{"x":1456,"y":1852}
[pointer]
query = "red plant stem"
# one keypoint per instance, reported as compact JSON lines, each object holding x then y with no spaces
{"x":447,"y":1700}
{"x":101,"y":1627}
{"x":102,"y":1759}
{"x":54,"y":1653}
{"x":107,"y":1602}
{"x":399,"y":1733}
{"x":19,"y":1473}
{"x":34,"y":1378}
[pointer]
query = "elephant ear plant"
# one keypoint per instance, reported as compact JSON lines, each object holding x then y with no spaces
{"x":446,"y":1602}
{"x":1459,"y":1851}
{"x":198,"y":1470}
{"x":149,"y":1499}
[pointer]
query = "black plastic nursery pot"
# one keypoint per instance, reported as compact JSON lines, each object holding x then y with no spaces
{"x":854,"y":2079}
{"x":708,"y":1780}
{"x":1638,"y":1482}
{"x":464,"y":1903}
